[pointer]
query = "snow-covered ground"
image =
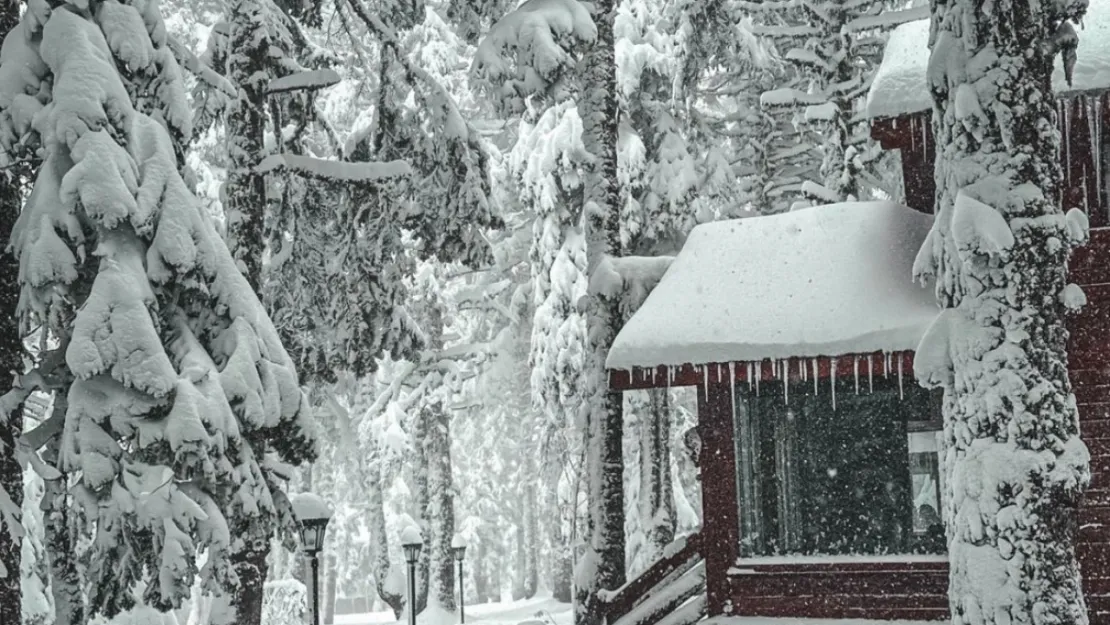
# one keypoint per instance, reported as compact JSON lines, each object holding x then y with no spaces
{"x":545,"y":609}
{"x":551,"y":612}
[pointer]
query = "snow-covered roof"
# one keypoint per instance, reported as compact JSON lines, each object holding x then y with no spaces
{"x":826,"y":281}
{"x":899,"y":86}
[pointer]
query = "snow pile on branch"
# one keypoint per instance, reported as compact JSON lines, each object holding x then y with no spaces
{"x":174,"y":361}
{"x":343,"y":171}
{"x":304,"y":81}
{"x":827,"y":281}
{"x":900,"y":86}
{"x":531,"y":49}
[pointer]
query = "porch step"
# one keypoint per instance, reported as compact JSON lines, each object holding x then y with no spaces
{"x":688,"y":613}
{"x":671,"y":601}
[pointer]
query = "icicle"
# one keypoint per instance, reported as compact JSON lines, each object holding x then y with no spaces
{"x":1093,"y":130}
{"x":1067,"y":139}
{"x":751,"y":383}
{"x":705,"y":378}
{"x":925,"y":138}
{"x":816,"y":378}
{"x":832,"y":381}
{"x":901,"y":394}
{"x":855,"y":372}
{"x":758,"y":376}
{"x":670,"y":376}
{"x":804,"y":368}
{"x":886,"y":365}
{"x":732,"y":379}
{"x":870,"y":373}
{"x":786,"y":384}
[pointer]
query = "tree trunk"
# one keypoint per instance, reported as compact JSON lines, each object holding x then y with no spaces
{"x":379,"y":540}
{"x":562,"y":561}
{"x":518,"y":558}
{"x":1015,"y":466}
{"x":60,"y":540}
{"x":657,"y":507}
{"x":11,"y":363}
{"x":530,"y":540}
{"x":422,"y":498}
{"x":440,"y":512}
{"x":331,"y":580}
{"x":245,"y":202}
{"x":604,"y":557}
{"x":496,"y":565}
{"x":478,"y":565}
{"x":249,"y":564}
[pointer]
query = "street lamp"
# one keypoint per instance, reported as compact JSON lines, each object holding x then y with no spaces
{"x":312,"y":514}
{"x":412,"y":542}
{"x":458,"y":548}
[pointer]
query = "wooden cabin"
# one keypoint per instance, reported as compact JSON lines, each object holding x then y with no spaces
{"x":819,"y":452}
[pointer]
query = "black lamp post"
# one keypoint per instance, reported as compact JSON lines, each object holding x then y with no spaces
{"x":313,"y":515}
{"x":412,"y":542}
{"x":458,"y":548}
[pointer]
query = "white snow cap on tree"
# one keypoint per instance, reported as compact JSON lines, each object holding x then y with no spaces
{"x":530,"y":49}
{"x":173,"y":357}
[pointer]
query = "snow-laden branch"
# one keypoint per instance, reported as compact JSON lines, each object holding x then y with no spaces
{"x":336,"y":171}
{"x":304,"y":81}
{"x":887,"y":19}
{"x":413,"y":72}
{"x":195,"y":66}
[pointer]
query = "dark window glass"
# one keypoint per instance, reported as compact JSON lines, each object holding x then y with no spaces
{"x":857,"y":473}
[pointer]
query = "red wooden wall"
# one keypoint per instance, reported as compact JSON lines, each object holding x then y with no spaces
{"x":1084,"y":123}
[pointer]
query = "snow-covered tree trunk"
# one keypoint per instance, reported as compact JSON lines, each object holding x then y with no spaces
{"x":422,"y":498}
{"x":11,"y":362}
{"x":11,"y":424}
{"x":479,"y":563}
{"x":656,"y":505}
{"x":392,"y":594}
{"x":1015,"y":465}
{"x":440,"y":512}
{"x":603,"y":564}
{"x":245,"y":204}
{"x":530,"y":540}
{"x":558,"y":536}
{"x":331,"y":581}
{"x":60,"y":539}
{"x":245,"y":190}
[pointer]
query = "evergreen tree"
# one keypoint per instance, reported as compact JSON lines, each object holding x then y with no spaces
{"x":829,"y":52}
{"x":1015,"y":466}
{"x":172,"y":368}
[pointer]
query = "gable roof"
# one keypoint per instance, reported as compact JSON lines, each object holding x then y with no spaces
{"x":899,"y":86}
{"x":825,"y":281}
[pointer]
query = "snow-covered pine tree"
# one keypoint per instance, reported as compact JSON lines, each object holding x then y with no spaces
{"x":175,"y":367}
{"x":829,"y":51}
{"x":1015,"y":465}
{"x":603,"y":565}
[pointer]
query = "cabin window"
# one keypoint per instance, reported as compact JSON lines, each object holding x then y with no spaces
{"x":844,"y":474}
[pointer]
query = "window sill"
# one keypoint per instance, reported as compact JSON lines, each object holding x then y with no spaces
{"x":820,"y":563}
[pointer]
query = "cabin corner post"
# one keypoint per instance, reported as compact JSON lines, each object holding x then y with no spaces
{"x":720,"y":509}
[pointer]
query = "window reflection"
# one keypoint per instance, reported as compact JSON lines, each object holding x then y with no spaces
{"x":858,"y":475}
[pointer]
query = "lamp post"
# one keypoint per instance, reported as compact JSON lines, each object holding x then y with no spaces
{"x":412,"y":542}
{"x":458,"y":548}
{"x":312,"y":514}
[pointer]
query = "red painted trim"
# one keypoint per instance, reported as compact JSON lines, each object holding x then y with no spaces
{"x":766,"y":371}
{"x":720,"y":533}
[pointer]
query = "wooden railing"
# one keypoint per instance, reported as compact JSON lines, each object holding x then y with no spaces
{"x":670,"y":592}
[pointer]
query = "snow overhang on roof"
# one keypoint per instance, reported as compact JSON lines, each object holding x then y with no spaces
{"x":899,"y":87}
{"x":825,"y":281}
